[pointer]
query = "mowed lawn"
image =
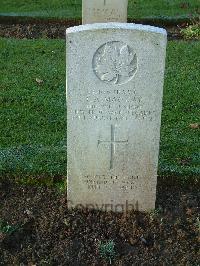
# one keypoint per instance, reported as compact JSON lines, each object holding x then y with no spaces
{"x":72,"y":8}
{"x":33,"y":109}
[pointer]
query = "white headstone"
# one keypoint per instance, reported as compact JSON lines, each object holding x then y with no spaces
{"x":95,"y":11}
{"x":115,"y":75}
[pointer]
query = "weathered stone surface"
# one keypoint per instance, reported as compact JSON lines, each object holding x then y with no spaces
{"x":95,"y":11}
{"x":114,"y":100}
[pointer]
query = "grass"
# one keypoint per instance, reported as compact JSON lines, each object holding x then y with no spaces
{"x":33,"y":115}
{"x":5,"y":228}
{"x":107,"y":251}
{"x":180,"y":148}
{"x":72,"y":8}
{"x":192,"y":31}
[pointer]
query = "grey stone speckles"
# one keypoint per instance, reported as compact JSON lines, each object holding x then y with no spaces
{"x":115,"y":76}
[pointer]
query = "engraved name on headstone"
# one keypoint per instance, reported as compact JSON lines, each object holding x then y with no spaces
{"x":96,"y":11}
{"x":115,"y":76}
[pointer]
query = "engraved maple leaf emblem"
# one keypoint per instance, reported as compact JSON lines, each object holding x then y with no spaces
{"x":116,"y":64}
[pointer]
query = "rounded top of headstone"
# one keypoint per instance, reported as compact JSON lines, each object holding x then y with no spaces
{"x":114,"y":25}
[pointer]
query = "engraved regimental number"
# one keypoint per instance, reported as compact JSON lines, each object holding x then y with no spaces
{"x":115,"y":63}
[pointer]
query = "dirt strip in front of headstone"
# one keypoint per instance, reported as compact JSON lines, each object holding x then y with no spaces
{"x":45,"y":232}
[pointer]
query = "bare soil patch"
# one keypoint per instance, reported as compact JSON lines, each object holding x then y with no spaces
{"x":49,"y":234}
{"x":55,"y":29}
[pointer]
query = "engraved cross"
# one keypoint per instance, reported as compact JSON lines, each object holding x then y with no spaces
{"x":104,"y":2}
{"x":112,"y":142}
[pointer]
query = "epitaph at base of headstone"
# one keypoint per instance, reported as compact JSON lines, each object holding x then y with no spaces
{"x":98,"y":11}
{"x":115,"y":76}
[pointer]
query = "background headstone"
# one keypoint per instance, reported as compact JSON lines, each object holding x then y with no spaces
{"x":94,"y":11}
{"x":114,"y":100}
